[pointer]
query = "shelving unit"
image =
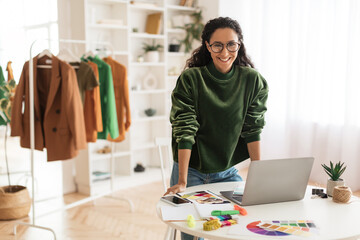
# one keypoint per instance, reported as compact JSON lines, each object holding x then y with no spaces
{"x":123,"y":25}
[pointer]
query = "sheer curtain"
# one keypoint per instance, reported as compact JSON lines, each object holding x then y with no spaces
{"x":309,"y":52}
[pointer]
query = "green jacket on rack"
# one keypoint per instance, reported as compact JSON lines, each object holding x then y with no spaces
{"x":107,"y":95}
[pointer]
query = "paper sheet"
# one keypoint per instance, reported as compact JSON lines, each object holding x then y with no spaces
{"x":172,"y":213}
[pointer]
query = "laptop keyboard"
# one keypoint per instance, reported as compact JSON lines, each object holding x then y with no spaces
{"x":237,"y":197}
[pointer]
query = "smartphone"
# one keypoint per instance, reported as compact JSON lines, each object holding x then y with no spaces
{"x":175,"y":200}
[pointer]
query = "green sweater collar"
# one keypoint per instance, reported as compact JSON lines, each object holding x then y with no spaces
{"x":219,"y":75}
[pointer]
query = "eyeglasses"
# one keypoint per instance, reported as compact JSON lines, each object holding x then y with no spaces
{"x":230,"y":46}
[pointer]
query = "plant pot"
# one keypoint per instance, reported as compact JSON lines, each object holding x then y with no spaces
{"x":152,"y":56}
{"x":15,"y":202}
{"x":174,"y":47}
{"x":331,"y":184}
{"x":150,"y":112}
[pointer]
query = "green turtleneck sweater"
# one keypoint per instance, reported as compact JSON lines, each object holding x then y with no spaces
{"x":216,"y":115}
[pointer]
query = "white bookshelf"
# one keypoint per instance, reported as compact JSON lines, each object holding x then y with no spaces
{"x":115,"y":21}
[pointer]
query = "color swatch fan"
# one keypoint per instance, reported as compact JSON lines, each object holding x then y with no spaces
{"x":299,"y":228}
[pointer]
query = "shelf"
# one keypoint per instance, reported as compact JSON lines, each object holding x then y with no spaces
{"x":109,"y":1}
{"x":181,"y":8}
{"x":147,"y":35}
{"x":147,"y":64}
{"x":149,"y":119}
{"x":146,"y":7}
{"x":153,"y":91}
{"x":175,"y":30}
{"x":103,"y":156}
{"x":108,"y":26}
{"x":177,"y":54}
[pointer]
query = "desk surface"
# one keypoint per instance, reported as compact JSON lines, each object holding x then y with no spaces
{"x":334,"y":220}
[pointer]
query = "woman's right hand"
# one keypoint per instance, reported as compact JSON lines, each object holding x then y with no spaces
{"x":176,"y":189}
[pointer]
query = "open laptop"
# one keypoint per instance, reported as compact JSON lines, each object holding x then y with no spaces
{"x":272,"y":181}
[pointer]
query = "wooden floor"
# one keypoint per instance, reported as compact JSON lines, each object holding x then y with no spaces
{"x":105,"y":219}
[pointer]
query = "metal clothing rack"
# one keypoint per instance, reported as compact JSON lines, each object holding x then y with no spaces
{"x":32,"y":145}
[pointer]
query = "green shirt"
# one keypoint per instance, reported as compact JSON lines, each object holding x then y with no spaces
{"x":107,"y":95}
{"x":216,"y":115}
{"x":85,"y":77}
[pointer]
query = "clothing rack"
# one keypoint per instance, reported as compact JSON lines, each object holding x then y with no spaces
{"x":32,"y":145}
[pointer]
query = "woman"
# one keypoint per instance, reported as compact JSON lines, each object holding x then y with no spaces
{"x":218,"y":108}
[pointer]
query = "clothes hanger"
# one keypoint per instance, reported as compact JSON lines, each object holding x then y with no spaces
{"x":67,"y":55}
{"x":89,"y":54}
{"x":45,"y":52}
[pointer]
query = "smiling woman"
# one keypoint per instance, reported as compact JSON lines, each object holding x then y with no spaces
{"x":218,"y":108}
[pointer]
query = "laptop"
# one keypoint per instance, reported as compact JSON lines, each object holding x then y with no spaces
{"x":273,"y":181}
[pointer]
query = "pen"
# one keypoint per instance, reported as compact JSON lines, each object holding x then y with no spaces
{"x":227,"y":212}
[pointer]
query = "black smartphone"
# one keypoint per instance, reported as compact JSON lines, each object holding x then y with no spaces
{"x":175,"y":200}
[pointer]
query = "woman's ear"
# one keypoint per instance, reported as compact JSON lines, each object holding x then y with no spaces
{"x":208,"y":46}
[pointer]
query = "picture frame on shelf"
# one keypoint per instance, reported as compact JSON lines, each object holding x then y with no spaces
{"x":153,"y":23}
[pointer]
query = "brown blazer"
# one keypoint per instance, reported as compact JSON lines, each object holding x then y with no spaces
{"x":121,"y":89}
{"x":59,"y":119}
{"x":92,"y":109}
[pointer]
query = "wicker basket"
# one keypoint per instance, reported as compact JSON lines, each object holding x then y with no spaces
{"x":15,"y":202}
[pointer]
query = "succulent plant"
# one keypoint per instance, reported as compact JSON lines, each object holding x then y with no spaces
{"x":336,"y":171}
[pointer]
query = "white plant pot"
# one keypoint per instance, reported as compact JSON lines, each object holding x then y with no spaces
{"x":331,"y":184}
{"x":152,"y":56}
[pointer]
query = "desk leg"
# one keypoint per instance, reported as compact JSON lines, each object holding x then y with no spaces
{"x":170,"y":234}
{"x":174,"y":232}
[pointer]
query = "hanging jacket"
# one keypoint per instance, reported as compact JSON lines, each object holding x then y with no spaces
{"x":121,"y":90}
{"x":108,"y":107}
{"x":59,"y":119}
{"x":92,"y":109}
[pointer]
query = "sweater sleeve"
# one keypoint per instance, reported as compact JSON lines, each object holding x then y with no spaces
{"x":254,"y":119}
{"x":183,"y":115}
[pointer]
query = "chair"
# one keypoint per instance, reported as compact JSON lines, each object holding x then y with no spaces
{"x":164,"y":142}
{"x":161,"y":143}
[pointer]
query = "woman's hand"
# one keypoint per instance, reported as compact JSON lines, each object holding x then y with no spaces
{"x":176,"y":189}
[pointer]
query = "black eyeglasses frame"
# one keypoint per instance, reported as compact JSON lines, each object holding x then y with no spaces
{"x":210,"y":45}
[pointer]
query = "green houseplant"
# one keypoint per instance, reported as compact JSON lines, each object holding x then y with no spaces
{"x":192,"y":30}
{"x":15,"y":200}
{"x":334,"y":171}
{"x":152,"y":51}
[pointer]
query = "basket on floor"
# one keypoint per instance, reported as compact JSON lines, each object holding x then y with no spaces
{"x":15,"y":202}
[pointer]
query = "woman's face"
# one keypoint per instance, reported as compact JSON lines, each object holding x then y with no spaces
{"x":224,"y":59}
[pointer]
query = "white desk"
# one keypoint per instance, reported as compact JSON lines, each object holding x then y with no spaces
{"x":335,"y":221}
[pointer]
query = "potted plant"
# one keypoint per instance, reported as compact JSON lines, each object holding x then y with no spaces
{"x":174,"y":45}
{"x":193,"y":30}
{"x":152,"y":51}
{"x":15,"y":200}
{"x":334,"y":172}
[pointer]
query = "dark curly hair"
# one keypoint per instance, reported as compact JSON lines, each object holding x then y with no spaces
{"x":201,"y":56}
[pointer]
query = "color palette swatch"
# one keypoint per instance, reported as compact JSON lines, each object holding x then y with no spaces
{"x":203,"y":197}
{"x":301,"y":228}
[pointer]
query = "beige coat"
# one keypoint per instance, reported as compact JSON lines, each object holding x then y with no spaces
{"x":59,"y":119}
